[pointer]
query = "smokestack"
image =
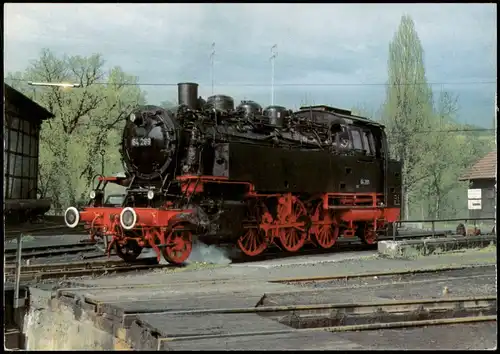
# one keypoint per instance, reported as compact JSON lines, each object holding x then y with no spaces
{"x":188,"y":94}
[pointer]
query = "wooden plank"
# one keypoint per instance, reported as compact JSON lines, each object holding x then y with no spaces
{"x":284,"y":341}
{"x":172,"y":325}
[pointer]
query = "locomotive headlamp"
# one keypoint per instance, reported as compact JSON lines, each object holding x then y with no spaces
{"x":71,"y":217}
{"x":128,"y":218}
{"x":92,"y":194}
{"x":151,"y":195}
{"x":132,"y":117}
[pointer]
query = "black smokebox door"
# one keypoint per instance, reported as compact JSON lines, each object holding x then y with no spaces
{"x":149,"y":145}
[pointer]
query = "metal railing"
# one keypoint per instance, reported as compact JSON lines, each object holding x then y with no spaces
{"x":433,"y":222}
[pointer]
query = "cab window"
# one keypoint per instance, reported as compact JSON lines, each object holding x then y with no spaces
{"x":357,"y":142}
{"x":368,"y":142}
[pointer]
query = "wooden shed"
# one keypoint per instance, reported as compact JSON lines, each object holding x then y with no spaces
{"x":22,"y":121}
{"x":482,"y":187}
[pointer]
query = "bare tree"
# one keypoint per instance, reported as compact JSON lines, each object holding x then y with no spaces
{"x":86,"y":118}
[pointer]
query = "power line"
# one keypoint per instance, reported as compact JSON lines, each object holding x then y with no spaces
{"x":288,"y":84}
{"x":455,"y":130}
{"x":354,"y":84}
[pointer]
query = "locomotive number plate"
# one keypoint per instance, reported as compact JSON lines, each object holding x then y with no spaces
{"x":141,"y":142}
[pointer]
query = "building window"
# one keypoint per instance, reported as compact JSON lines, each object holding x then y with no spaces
{"x":20,"y":158}
{"x":489,"y":193}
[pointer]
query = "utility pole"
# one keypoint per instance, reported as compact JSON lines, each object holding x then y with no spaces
{"x":103,"y":153}
{"x":212,"y":64}
{"x":496,"y":147}
{"x":496,"y":113}
{"x":274,"y":54}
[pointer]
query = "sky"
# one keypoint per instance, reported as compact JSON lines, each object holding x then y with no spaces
{"x":319,"y":44}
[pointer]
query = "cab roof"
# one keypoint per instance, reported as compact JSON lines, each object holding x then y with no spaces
{"x":341,"y":113}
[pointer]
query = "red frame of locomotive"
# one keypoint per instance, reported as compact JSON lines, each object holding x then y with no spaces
{"x":171,"y":236}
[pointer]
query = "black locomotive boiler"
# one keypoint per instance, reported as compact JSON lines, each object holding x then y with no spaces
{"x":245,"y":175}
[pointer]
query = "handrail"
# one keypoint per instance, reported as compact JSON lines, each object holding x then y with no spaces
{"x":434,"y":221}
{"x":445,"y":220}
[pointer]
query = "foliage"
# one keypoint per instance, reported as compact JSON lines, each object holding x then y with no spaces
{"x":88,"y":120}
{"x":408,"y":105}
{"x":418,"y":133}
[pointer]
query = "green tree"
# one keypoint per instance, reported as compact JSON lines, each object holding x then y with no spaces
{"x":442,"y":159}
{"x":449,"y":153}
{"x":87,"y":120}
{"x":408,"y":106}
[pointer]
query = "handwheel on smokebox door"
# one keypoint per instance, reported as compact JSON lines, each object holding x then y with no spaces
{"x":367,"y":234}
{"x":291,"y":238}
{"x":327,"y":231}
{"x":178,"y":245}
{"x":253,"y":241}
{"x":128,"y":251}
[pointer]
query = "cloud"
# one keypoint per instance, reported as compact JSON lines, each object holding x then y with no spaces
{"x":320,"y":43}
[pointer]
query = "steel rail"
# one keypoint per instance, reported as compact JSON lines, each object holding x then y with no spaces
{"x":348,"y":328}
{"x":377,"y":274}
{"x":57,"y":251}
{"x":68,"y":270}
{"x":397,"y":305}
{"x":49,"y":247}
{"x":77,"y":265}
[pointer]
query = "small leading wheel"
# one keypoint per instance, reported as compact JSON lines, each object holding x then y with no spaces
{"x":128,"y":251}
{"x":326,"y":232}
{"x":253,"y":241}
{"x":291,"y":238}
{"x":179,"y":244}
{"x":367,"y":234}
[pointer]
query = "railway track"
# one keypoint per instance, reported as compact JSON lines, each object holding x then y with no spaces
{"x":359,"y":316}
{"x":78,"y":269}
{"x":44,"y":231}
{"x":48,"y":250}
{"x":84,"y":247}
{"x":49,"y":224}
{"x":342,"y":245}
{"x":482,"y":270}
{"x":308,"y":250}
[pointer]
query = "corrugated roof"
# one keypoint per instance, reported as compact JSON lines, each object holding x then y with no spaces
{"x":483,"y":169}
{"x":25,"y":103}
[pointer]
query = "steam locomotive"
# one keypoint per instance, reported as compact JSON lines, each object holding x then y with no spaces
{"x":247,"y":176}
